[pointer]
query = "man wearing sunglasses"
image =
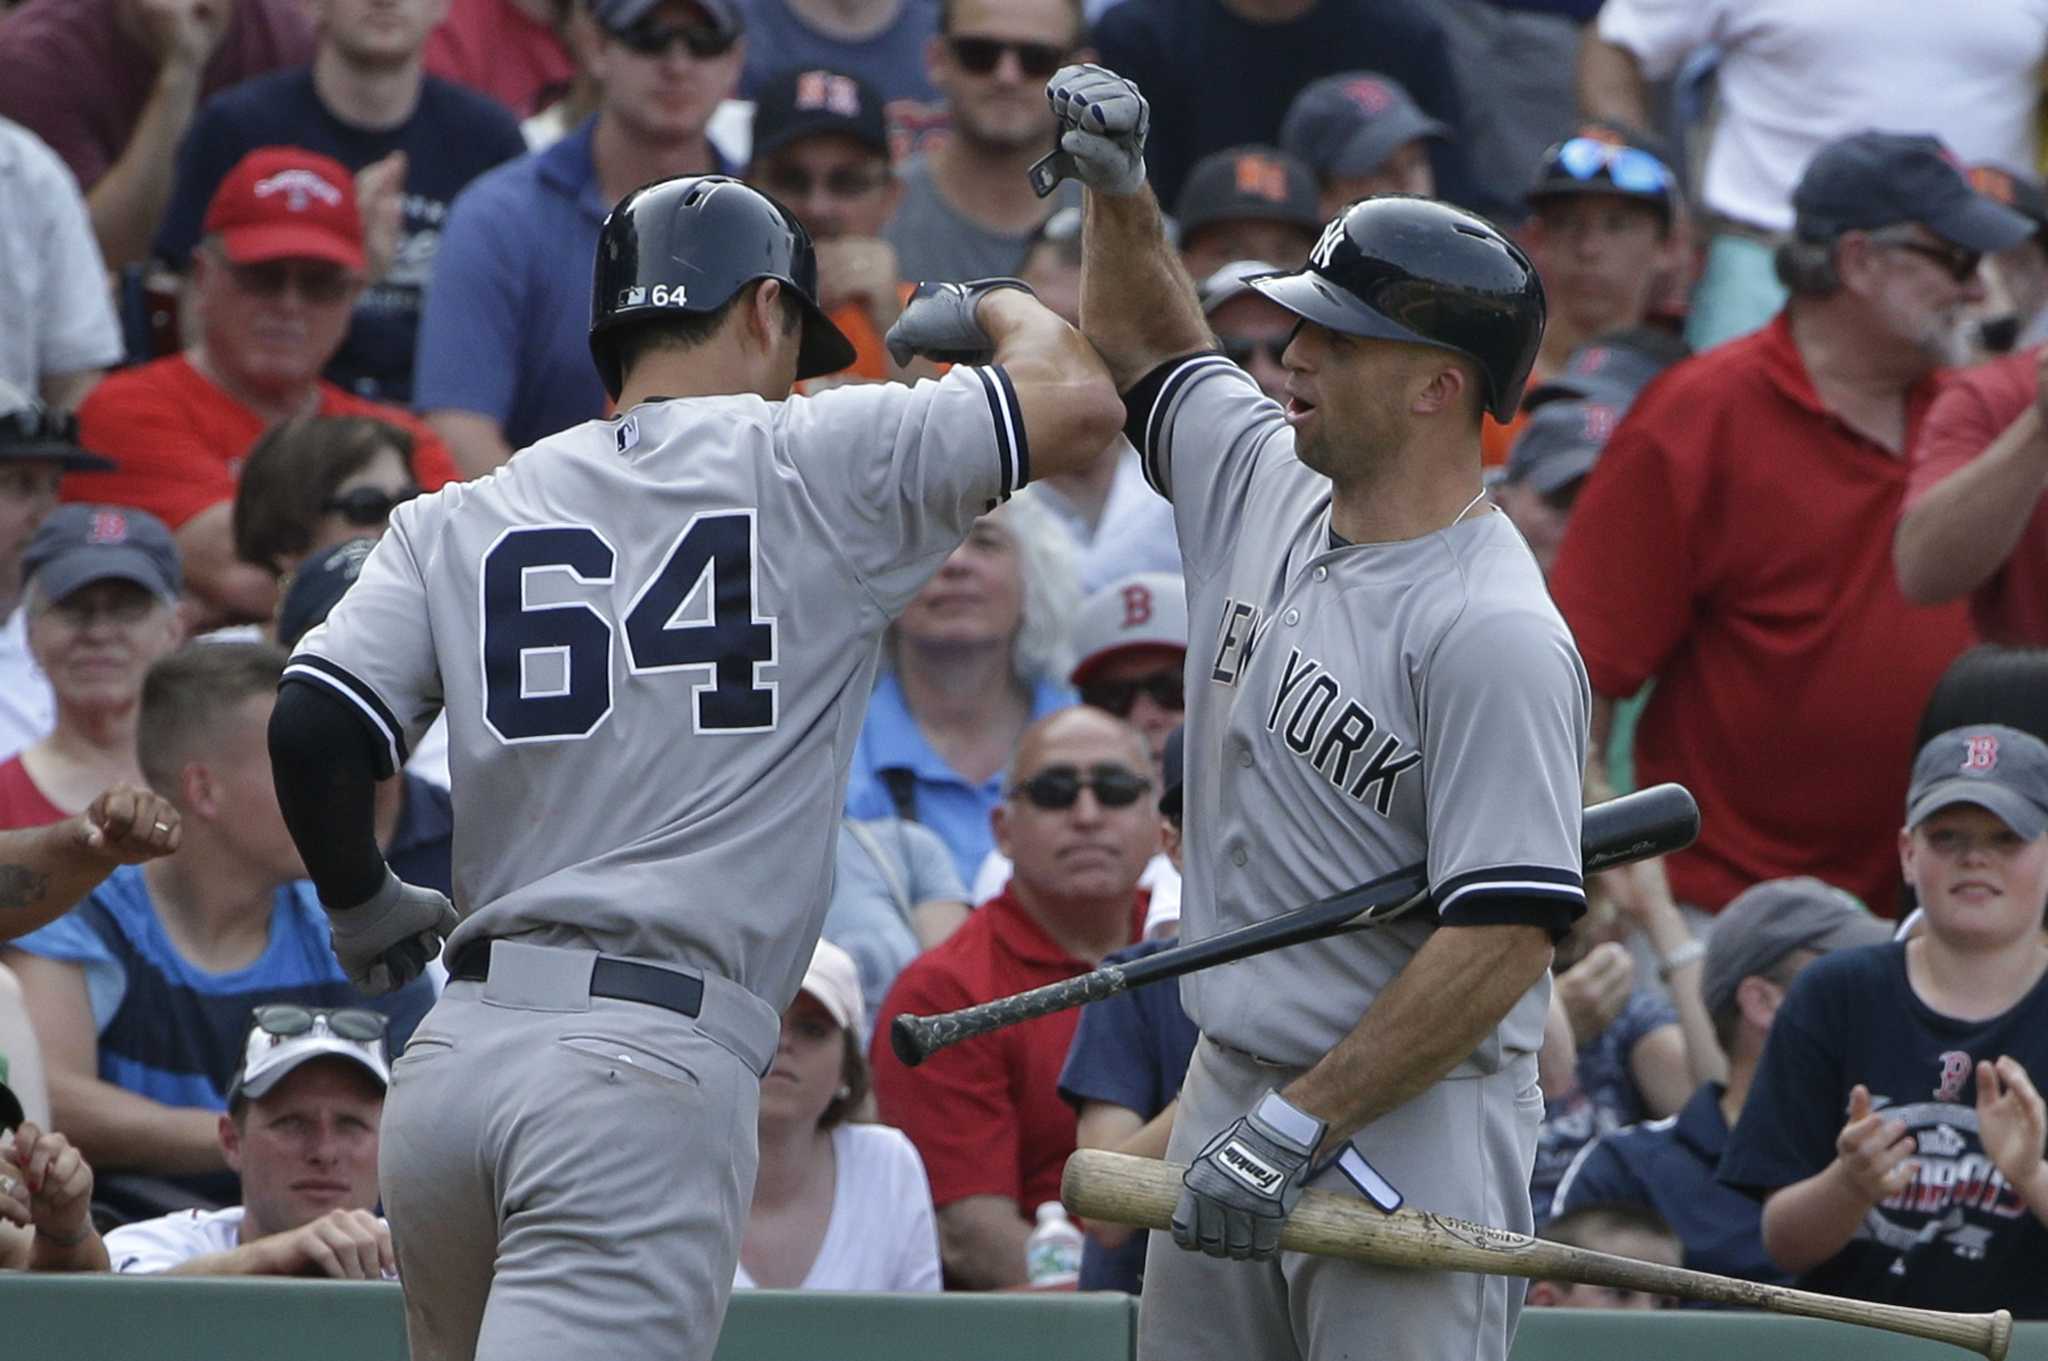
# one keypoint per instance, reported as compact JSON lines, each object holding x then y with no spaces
{"x":1079,"y":822}
{"x":1383,"y":681}
{"x":821,"y":149}
{"x":301,"y":1129}
{"x":275,"y":279}
{"x":504,"y":358}
{"x":1734,"y":542}
{"x":1251,"y":328}
{"x":968,"y":211}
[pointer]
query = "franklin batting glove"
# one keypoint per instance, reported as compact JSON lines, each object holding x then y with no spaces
{"x":385,"y":943}
{"x":939,"y":323}
{"x":1102,"y":125}
{"x":1236,"y":1196}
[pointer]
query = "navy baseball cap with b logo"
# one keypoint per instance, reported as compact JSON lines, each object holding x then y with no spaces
{"x":1999,"y":769}
{"x":1869,"y":180}
{"x":79,"y":544}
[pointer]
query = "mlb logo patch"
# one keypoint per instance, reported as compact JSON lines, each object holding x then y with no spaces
{"x":632,"y":297}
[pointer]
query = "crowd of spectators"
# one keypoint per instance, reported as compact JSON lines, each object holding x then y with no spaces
{"x":271,"y":268}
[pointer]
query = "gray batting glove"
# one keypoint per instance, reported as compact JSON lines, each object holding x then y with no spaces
{"x":939,"y":322}
{"x":1102,"y":121}
{"x":1236,"y":1196}
{"x":386,"y":942}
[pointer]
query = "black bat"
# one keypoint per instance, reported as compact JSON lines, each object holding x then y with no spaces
{"x":1649,"y":822}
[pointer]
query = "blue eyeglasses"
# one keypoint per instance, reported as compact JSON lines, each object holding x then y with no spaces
{"x":1628,"y":168}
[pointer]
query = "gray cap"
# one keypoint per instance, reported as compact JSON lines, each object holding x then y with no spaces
{"x":1228,"y":281}
{"x":1869,"y":180}
{"x":79,"y":544}
{"x":1999,"y":769}
{"x":1559,"y":444}
{"x":1768,"y":921}
{"x":1349,"y":124}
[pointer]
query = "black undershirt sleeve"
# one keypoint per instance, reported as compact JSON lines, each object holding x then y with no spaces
{"x":1140,"y":396}
{"x":326,"y":760}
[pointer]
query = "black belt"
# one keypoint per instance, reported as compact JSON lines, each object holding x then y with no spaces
{"x":623,"y":980}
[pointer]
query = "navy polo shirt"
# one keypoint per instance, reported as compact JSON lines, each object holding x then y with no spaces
{"x":1669,"y":1165}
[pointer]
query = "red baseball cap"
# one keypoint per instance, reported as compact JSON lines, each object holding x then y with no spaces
{"x":286,"y":203}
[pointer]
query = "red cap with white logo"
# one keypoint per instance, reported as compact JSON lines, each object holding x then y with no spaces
{"x":287,"y":203}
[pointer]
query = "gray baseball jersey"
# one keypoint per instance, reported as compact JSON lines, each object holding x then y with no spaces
{"x":654,"y":639}
{"x":1353,"y":709}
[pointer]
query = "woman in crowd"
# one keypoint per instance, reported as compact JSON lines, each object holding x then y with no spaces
{"x":837,"y":1205}
{"x":311,"y":484}
{"x":972,"y":662}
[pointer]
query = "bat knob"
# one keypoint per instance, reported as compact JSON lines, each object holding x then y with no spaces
{"x":911,"y":1038}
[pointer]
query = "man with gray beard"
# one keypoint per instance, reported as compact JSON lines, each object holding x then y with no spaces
{"x":1734,"y":541}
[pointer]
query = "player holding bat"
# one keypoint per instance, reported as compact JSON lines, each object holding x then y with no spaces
{"x":1385,"y":682}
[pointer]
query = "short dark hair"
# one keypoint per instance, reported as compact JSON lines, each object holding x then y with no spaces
{"x":1990,"y":684}
{"x":185,"y":695}
{"x":289,"y":474}
{"x":1729,"y":1018}
{"x":635,"y":340}
{"x":854,"y":1077}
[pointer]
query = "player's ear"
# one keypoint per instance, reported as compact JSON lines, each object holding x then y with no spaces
{"x":1448,"y":388}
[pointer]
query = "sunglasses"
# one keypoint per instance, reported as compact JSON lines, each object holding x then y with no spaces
{"x":649,"y":39}
{"x":1958,"y":262}
{"x":319,"y":284}
{"x":1168,"y":690}
{"x":1626,"y":167}
{"x":1240,"y":352}
{"x":982,"y":55}
{"x":286,"y":1021}
{"x":789,"y":182}
{"x":368,"y":505}
{"x":1057,"y":787}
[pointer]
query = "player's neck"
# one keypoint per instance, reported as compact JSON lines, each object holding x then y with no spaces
{"x":216,"y":914}
{"x":1419,"y":493}
{"x":625,"y":161}
{"x":1973,"y":984}
{"x":374,"y":98}
{"x":713,"y":369}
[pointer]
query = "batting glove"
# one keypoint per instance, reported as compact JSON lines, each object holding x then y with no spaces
{"x":939,"y":322}
{"x":1102,"y":124}
{"x":385,"y":943}
{"x":1236,"y":1196}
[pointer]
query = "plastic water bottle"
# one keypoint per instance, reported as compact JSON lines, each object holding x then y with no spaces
{"x":1052,"y":1255}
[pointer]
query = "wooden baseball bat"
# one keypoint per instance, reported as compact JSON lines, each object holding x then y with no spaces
{"x":1653,"y":821}
{"x":1143,"y":1192}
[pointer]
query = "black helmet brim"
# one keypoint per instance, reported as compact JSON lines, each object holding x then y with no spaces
{"x":825,"y":348}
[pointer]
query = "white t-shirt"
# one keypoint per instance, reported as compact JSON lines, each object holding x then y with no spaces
{"x":883,"y":1234}
{"x":1796,"y":74}
{"x":1162,"y":910}
{"x":153,"y":1245}
{"x":1134,"y":533}
{"x":59,"y":317}
{"x":28,"y":708}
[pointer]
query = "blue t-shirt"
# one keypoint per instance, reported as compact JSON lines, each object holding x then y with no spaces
{"x":174,"y":1033}
{"x":942,"y":798}
{"x":891,"y":62}
{"x":453,"y":136}
{"x":1959,"y":1237}
{"x":1131,"y":1049}
{"x":866,"y":917}
{"x":1668,"y":1165}
{"x":1605,"y":1099}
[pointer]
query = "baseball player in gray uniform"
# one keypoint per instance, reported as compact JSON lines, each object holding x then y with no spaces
{"x":1378,"y":678}
{"x":653,"y":638}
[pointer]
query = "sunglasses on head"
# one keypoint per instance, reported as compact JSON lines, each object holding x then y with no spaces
{"x":1168,"y":690}
{"x":1958,"y":262}
{"x":1058,"y":787}
{"x":649,"y":39}
{"x":368,"y":505}
{"x":1240,"y":352}
{"x":287,"y":1021}
{"x":790,"y":182}
{"x":1626,"y":167}
{"x":983,"y":55}
{"x":316,"y":283}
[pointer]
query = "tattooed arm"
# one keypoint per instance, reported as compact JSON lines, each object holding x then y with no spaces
{"x":44,"y":870}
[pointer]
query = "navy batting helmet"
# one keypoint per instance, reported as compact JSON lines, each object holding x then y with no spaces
{"x":1397,"y":267}
{"x":689,"y":245}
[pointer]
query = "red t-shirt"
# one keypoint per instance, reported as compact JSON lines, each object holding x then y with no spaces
{"x":70,"y":73}
{"x":986,"y":1114}
{"x":1734,"y":542}
{"x":22,"y":803}
{"x":1973,"y":409}
{"x":497,"y":49}
{"x":180,"y":440}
